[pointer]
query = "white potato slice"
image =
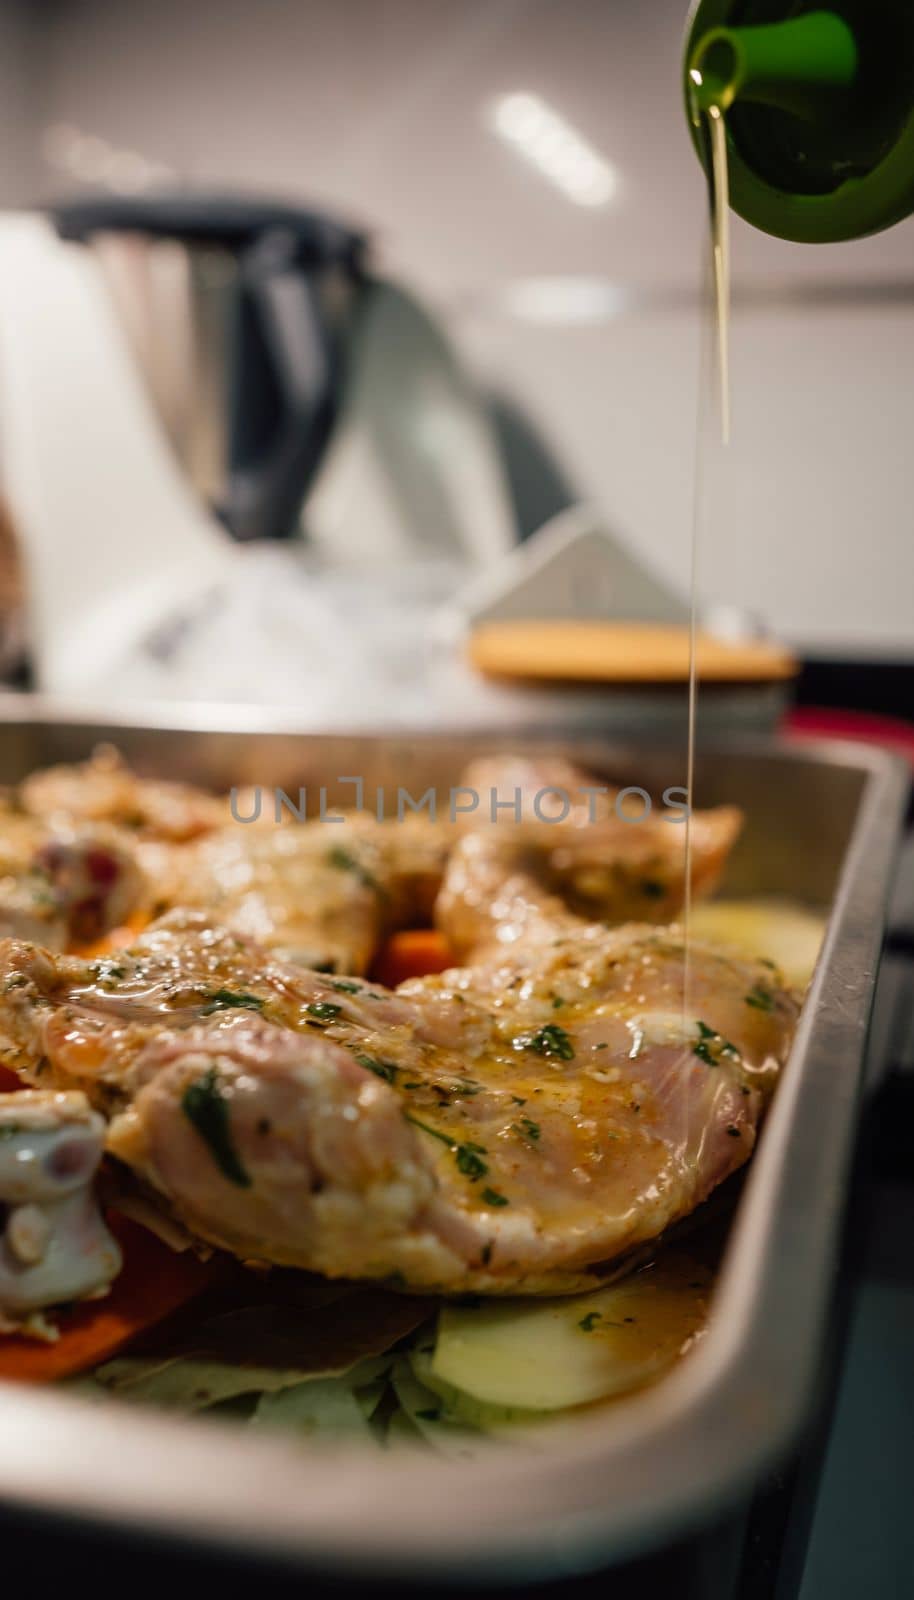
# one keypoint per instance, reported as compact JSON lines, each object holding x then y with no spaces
{"x":463,"y":1411}
{"x":523,"y":1356}
{"x":781,"y":931}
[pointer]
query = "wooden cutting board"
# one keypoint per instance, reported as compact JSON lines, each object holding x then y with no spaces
{"x":620,"y":653}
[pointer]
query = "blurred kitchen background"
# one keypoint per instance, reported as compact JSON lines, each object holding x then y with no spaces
{"x":570,"y":288}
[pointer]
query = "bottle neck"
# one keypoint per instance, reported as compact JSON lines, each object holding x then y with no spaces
{"x":819,"y":110}
{"x":804,"y":66}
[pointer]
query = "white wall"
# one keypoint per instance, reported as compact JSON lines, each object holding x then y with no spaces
{"x":378,"y":109}
{"x":18,"y":142}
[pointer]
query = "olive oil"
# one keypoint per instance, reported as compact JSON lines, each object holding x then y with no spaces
{"x":714,"y":382}
{"x":720,"y":245}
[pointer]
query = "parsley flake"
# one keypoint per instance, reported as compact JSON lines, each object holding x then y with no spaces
{"x":205,"y":1105}
{"x":550,"y":1041}
{"x":381,"y":1069}
{"x":225,"y":999}
{"x":324,"y":1010}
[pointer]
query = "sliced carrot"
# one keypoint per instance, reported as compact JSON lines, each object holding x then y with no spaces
{"x":116,"y":938}
{"x":412,"y":954}
{"x":153,"y":1282}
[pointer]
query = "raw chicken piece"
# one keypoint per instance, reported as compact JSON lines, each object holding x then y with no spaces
{"x":608,"y":870}
{"x":62,"y":884}
{"x":105,"y":789}
{"x":515,"y":1126}
{"x":586,"y":841}
{"x":321,"y":894}
{"x":325,"y":894}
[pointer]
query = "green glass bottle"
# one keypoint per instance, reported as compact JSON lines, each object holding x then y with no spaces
{"x":819,"y":108}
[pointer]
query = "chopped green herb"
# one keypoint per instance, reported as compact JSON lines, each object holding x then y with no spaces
{"x":381,"y":1069}
{"x":224,"y":999}
{"x":710,"y":1046}
{"x":588,"y":1323}
{"x":551,"y":1041}
{"x":491,"y":1197}
{"x":340,"y":858}
{"x":762,"y":999}
{"x":324,"y":1010}
{"x":467,"y":1086}
{"x":518,"y":1099}
{"x":467,"y":1155}
{"x":347,"y":988}
{"x":9,"y":1130}
{"x":205,"y":1105}
{"x":468,"y":1161}
{"x":528,"y":1129}
{"x":431,"y":1414}
{"x":557,"y":1002}
{"x":103,"y":971}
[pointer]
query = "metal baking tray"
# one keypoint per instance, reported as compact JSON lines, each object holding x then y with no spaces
{"x":823,"y":823}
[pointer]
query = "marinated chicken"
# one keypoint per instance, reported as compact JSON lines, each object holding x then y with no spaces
{"x":514,"y":1126}
{"x":607,"y":869}
{"x":62,"y":885}
{"x":89,"y":846}
{"x":323,"y":895}
{"x":105,"y":789}
{"x":518,"y":1124}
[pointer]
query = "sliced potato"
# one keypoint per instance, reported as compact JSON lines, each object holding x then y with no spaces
{"x":461,"y":1410}
{"x":778,"y":930}
{"x":522,"y":1356}
{"x":428,"y":1412}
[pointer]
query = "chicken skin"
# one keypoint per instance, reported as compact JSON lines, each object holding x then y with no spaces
{"x":518,"y":1125}
{"x":322,"y":895}
{"x":85,"y":847}
{"x":60,"y":884}
{"x":325,"y":896}
{"x":106,"y":789}
{"x":604,"y":868}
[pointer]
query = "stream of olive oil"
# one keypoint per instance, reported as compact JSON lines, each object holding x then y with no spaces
{"x":718,"y":317}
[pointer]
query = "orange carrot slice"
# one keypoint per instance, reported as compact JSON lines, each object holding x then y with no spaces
{"x":412,"y":954}
{"x":115,"y":939}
